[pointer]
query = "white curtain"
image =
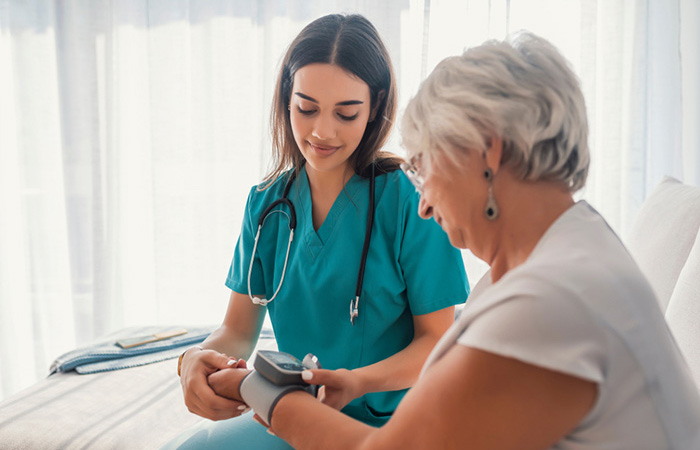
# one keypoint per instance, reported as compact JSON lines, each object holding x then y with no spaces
{"x":131,"y":131}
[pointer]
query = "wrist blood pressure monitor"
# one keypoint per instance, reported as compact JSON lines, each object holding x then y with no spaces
{"x":282,"y":368}
{"x":276,"y":374}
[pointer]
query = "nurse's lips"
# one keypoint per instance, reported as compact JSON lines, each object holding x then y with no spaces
{"x":323,"y":149}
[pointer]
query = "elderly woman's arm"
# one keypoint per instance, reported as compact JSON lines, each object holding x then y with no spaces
{"x":467,"y":399}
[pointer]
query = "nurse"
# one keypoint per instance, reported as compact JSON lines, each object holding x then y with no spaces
{"x":333,"y":109}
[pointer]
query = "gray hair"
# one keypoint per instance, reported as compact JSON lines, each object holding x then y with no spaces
{"x":521,"y":90}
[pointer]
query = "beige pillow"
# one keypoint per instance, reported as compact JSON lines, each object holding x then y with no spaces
{"x":664,"y":232}
{"x":683,"y":313}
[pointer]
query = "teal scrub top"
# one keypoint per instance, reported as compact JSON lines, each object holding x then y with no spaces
{"x":411,"y":269}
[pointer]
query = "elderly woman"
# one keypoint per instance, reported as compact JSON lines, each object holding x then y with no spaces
{"x":562,"y":344}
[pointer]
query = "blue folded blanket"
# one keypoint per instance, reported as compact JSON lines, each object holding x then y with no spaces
{"x":109,"y":356}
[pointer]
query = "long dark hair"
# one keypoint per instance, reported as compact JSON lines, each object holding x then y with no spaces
{"x":352,"y":43}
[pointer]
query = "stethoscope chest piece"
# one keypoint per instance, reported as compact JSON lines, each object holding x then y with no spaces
{"x":354,"y":312}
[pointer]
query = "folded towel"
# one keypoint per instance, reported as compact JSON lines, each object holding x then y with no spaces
{"x":108,"y":355}
{"x":131,"y":361}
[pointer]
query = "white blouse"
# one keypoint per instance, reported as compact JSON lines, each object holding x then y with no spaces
{"x":580,"y":305}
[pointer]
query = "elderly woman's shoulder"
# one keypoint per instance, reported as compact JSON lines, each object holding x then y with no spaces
{"x":587,"y":263}
{"x":400,"y":187}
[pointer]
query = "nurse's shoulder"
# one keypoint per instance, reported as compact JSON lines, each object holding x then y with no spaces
{"x":399,"y":186}
{"x":263,"y":194}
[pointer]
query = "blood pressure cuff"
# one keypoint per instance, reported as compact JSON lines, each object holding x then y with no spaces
{"x":262,"y":395}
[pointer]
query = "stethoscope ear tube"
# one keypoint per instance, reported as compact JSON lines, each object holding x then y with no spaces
{"x":292,"y":226}
{"x":263,"y":301}
{"x":281,"y":201}
{"x":284,"y":200}
{"x":355,"y":302}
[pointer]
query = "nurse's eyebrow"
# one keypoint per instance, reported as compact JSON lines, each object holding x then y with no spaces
{"x":344,"y":103}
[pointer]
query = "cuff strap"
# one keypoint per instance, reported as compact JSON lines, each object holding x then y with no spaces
{"x":262,"y":395}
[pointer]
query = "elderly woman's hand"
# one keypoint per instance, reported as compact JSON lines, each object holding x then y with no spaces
{"x":226,"y":382}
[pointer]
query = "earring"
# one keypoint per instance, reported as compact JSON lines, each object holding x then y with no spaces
{"x":491,"y":210}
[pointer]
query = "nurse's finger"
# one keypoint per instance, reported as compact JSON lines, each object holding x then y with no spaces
{"x":238,"y":363}
{"x":216,"y":360}
{"x":321,"y":376}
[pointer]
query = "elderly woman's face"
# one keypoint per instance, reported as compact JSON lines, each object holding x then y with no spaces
{"x":453,"y":194}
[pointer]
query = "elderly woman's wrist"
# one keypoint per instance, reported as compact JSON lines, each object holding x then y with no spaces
{"x":237,"y":386}
{"x":262,"y":395}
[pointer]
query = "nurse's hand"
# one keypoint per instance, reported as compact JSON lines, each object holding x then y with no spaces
{"x":339,"y":387}
{"x":226,"y":382}
{"x":200,"y":398}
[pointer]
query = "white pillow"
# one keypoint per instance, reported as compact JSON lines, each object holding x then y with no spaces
{"x":683,"y":313}
{"x":663,"y":233}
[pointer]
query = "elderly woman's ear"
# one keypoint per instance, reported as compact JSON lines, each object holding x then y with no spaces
{"x":493,"y":154}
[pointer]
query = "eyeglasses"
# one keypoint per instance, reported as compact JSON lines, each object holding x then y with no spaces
{"x":413,"y":173}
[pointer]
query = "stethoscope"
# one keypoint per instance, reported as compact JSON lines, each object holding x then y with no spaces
{"x":292,"y":217}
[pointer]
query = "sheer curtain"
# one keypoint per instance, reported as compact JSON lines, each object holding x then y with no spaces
{"x":131,"y":131}
{"x":638,"y":64}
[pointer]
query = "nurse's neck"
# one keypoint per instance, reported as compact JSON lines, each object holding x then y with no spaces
{"x":325,"y":186}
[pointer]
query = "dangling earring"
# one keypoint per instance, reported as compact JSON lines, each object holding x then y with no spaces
{"x":491,"y":210}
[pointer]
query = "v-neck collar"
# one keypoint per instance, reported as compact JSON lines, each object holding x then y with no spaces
{"x":314,"y":239}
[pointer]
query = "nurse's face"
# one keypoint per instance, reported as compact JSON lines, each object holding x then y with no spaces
{"x":453,"y":194}
{"x":329,"y":111}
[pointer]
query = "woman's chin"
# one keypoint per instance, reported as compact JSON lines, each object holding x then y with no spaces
{"x":321,"y":165}
{"x":457,"y":238}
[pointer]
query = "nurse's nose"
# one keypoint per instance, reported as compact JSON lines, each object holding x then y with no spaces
{"x":324,"y":128}
{"x":424,"y":208}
